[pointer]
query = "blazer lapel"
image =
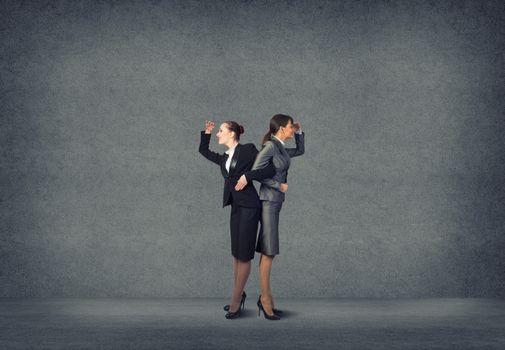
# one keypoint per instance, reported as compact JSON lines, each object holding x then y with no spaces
{"x":223,"y":165}
{"x":282,"y":150}
{"x":234,"y":160}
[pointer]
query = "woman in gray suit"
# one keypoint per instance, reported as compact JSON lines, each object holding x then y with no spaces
{"x":282,"y":128}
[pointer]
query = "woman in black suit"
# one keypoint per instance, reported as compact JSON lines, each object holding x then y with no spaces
{"x":245,"y":204}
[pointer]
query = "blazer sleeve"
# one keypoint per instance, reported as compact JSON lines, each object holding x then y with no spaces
{"x":300,"y":146}
{"x":204,"y":149}
{"x":260,"y":173}
{"x":262,"y":160}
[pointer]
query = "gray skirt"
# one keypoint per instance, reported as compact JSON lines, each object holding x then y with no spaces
{"x":268,"y":239}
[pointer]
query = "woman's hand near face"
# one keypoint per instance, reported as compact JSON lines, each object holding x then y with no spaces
{"x":296,"y":126}
{"x":209,"y":126}
{"x":241,"y":183}
{"x":283,"y":188}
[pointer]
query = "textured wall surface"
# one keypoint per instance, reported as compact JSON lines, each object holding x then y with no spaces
{"x":400,"y":192}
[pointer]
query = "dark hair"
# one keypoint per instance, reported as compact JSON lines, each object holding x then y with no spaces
{"x":276,"y":122}
{"x":236,"y":127}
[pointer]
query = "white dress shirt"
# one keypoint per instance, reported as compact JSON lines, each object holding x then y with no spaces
{"x":230,"y":153}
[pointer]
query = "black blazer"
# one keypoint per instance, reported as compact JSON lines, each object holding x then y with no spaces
{"x":241,"y":164}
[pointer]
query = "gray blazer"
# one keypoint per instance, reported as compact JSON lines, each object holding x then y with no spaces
{"x":273,"y":151}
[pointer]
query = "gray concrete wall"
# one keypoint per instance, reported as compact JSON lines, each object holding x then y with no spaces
{"x":400,"y":192}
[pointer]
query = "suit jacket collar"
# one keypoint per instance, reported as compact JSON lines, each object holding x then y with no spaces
{"x":279,"y":140}
{"x":280,"y":146}
{"x":234,"y":161}
{"x":276,"y":142}
{"x":230,"y":149}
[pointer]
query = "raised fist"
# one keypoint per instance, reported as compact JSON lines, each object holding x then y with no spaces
{"x":296,"y":126}
{"x":209,"y":126}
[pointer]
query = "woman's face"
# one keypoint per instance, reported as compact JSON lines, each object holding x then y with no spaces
{"x":288,"y":131}
{"x":224,"y":134}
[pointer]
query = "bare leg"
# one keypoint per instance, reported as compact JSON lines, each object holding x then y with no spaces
{"x":235,"y":270}
{"x":266,"y":292}
{"x":243,"y":272}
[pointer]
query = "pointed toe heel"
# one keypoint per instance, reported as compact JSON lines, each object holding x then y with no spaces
{"x":242,"y":303}
{"x":273,"y":317}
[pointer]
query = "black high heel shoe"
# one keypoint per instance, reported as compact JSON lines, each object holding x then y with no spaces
{"x":276,"y":311}
{"x":273,"y":317}
{"x":231,"y":315}
{"x":242,"y":303}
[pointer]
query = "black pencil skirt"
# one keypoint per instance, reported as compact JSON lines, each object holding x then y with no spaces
{"x":243,"y":231}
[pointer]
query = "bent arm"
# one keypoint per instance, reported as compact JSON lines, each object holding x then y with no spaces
{"x":204,"y":149}
{"x":260,"y":174}
{"x":264,"y":160}
{"x":300,"y":146}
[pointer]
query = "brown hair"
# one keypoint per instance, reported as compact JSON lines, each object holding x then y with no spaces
{"x":235,"y":127}
{"x":276,"y":122}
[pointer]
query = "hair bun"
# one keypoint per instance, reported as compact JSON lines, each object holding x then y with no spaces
{"x":241,"y":129}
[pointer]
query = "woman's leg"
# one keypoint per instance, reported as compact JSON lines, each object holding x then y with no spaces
{"x":266,"y":293}
{"x":243,"y":272}
{"x":243,"y":230}
{"x":235,"y":270}
{"x":268,"y":245}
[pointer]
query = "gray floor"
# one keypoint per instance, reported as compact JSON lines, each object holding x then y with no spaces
{"x":200,"y":324}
